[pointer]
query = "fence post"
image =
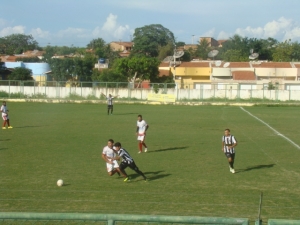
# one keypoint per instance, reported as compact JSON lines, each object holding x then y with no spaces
{"x":9,"y":88}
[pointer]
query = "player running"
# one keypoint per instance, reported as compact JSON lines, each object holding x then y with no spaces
{"x":228,"y":144}
{"x":112,"y":165}
{"x":5,"y":117}
{"x":141,"y":129}
{"x":127,"y":160}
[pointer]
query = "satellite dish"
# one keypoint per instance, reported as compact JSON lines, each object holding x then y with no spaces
{"x":168,"y":59}
{"x":218,"y":63}
{"x":226,"y":64}
{"x":213,"y":53}
{"x":178,"y":54}
{"x":253,"y":56}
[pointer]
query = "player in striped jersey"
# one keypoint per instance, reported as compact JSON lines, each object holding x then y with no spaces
{"x":141,"y":128}
{"x":110,"y":105}
{"x":112,"y":165}
{"x":228,"y":144}
{"x":127,"y":160}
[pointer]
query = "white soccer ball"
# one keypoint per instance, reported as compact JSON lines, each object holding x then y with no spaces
{"x":60,"y":183}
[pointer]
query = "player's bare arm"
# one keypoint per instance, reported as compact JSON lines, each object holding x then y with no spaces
{"x":104,"y":157}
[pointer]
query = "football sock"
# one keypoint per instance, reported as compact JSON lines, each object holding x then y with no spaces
{"x":231,"y":164}
{"x":4,"y":123}
{"x":140,"y":146}
{"x":8,"y":123}
{"x":144,"y":144}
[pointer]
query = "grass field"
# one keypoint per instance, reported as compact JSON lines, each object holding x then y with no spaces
{"x":188,"y":173}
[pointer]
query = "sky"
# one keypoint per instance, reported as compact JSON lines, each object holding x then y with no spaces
{"x":77,"y":22}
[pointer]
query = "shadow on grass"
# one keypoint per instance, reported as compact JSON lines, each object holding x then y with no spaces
{"x":5,"y":140}
{"x":28,"y":126}
{"x":125,"y":114}
{"x":255,"y":168}
{"x":168,"y":149}
{"x":150,"y":175}
{"x":3,"y":149}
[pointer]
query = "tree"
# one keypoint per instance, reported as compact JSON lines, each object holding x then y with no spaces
{"x":17,"y":44}
{"x":21,"y":73}
{"x":141,"y":68}
{"x":28,"y":59}
{"x":165,"y":51}
{"x":234,"y":55}
{"x":235,"y":45}
{"x":109,"y":75}
{"x":180,"y":44}
{"x":203,"y":49}
{"x":103,"y":50}
{"x":149,"y":39}
{"x":283,"y":52}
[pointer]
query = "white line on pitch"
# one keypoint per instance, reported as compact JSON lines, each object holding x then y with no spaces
{"x":276,"y":132}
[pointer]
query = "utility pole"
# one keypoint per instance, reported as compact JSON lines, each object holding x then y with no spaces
{"x":174,"y":66}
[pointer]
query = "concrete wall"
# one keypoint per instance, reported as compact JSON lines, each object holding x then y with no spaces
{"x":141,"y":94}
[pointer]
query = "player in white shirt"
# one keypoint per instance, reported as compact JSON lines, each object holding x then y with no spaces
{"x":141,"y":129}
{"x":5,"y":117}
{"x":112,"y":165}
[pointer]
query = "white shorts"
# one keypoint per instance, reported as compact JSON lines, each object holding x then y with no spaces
{"x":5,"y":117}
{"x":110,"y":167}
{"x":141,"y":137}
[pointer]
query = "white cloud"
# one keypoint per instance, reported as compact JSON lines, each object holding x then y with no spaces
{"x":73,"y":32}
{"x":281,"y":29}
{"x":110,"y":23}
{"x":39,"y":33}
{"x":2,"y":22}
{"x":12,"y":30}
{"x":112,"y":30}
{"x":209,"y":33}
{"x":223,"y":35}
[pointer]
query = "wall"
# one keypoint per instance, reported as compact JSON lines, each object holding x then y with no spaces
{"x":220,"y":92}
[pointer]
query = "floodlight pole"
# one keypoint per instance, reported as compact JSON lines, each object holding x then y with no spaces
{"x":174,"y":65}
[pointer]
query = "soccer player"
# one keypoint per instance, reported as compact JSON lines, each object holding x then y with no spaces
{"x":110,"y":106}
{"x":141,"y":129}
{"x":228,"y":144}
{"x":127,"y":160}
{"x":112,"y":165}
{"x":5,"y":117}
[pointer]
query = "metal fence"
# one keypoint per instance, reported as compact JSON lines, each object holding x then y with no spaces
{"x":115,"y":219}
{"x":135,"y":91}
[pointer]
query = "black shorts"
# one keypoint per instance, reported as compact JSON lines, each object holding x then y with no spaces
{"x":131,"y":165}
{"x":230,"y":155}
{"x":110,"y":106}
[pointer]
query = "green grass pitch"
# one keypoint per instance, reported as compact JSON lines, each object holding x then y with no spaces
{"x":188,"y":173}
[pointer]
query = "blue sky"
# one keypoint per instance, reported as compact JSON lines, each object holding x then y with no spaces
{"x":77,"y":22}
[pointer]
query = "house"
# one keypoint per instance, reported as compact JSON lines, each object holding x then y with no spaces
{"x":124,"y":48}
{"x":244,"y":75}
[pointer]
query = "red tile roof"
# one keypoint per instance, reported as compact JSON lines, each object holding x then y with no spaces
{"x":238,"y":65}
{"x":272,"y":65}
{"x":243,"y":75}
{"x":194,"y":64}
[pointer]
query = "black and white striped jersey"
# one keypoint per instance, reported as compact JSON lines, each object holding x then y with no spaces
{"x":109,"y":100}
{"x":125,"y":156}
{"x":228,"y":141}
